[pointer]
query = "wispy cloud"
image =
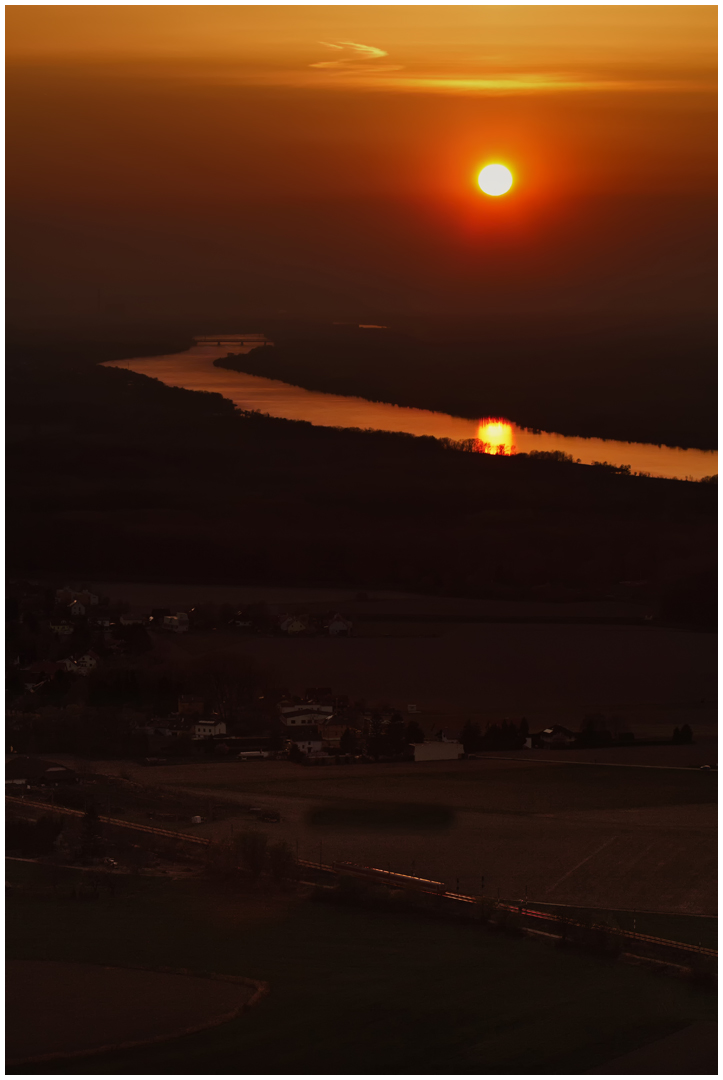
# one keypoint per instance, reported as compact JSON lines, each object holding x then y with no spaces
{"x":355,"y":59}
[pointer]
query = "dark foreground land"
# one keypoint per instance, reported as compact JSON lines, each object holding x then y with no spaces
{"x":352,"y":990}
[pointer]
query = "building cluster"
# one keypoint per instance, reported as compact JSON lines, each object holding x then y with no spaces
{"x":190,"y":721}
{"x":40,"y":672}
{"x":321,"y":726}
{"x":316,"y":723}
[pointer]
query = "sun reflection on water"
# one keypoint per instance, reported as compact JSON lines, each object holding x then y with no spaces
{"x":494,"y":436}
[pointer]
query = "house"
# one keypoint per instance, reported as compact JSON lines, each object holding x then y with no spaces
{"x":177,"y":623}
{"x":204,"y":729}
{"x":25,"y":769}
{"x":303,"y":715}
{"x":438,"y":751}
{"x":87,"y":662}
{"x":62,"y":628}
{"x":170,"y":727}
{"x":76,"y":609}
{"x":306,"y":744}
{"x":292,"y":624}
{"x":556,"y":736}
{"x":66,"y":595}
{"x":69,"y":665}
{"x":339,"y":626}
{"x":132,"y":618}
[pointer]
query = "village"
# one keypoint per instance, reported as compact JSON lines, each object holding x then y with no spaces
{"x":74,"y":655}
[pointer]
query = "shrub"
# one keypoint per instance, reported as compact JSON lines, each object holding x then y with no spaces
{"x":282,"y":861}
{"x":251,"y":846}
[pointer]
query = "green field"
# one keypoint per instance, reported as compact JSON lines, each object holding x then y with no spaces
{"x":352,"y":991}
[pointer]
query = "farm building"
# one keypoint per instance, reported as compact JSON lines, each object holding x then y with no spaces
{"x":438,"y":751}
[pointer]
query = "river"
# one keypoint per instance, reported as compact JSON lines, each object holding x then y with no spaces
{"x":194,"y":370}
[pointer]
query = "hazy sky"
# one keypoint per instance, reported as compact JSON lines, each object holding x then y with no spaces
{"x":228,"y":162}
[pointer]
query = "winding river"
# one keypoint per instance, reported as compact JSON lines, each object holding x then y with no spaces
{"x":194,"y":370}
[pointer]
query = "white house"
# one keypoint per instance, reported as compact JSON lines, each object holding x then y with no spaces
{"x":87,"y":662}
{"x":304,"y":715}
{"x":307,"y":746}
{"x":177,"y":623}
{"x":202,"y":729}
{"x":76,"y":609}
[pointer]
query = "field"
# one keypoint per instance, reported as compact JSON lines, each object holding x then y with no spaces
{"x":354,"y":991}
{"x":86,"y":1006}
{"x":569,"y":833}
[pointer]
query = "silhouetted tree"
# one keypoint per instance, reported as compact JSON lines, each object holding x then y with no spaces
{"x":251,"y":846}
{"x":295,"y":754}
{"x":347,"y":743}
{"x":413,"y":732}
{"x":282,"y":861}
{"x":471,"y":737}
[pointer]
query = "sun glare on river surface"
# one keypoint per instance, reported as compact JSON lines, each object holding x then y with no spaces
{"x":494,"y":436}
{"x":495,"y":179}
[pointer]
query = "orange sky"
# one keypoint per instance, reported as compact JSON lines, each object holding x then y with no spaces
{"x":303,"y":157}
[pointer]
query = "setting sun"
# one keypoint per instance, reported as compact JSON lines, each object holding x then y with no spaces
{"x":495,"y":179}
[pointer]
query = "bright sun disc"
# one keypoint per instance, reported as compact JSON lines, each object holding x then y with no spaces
{"x":495,"y":179}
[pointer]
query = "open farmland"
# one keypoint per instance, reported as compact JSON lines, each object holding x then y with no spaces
{"x":578,"y":834}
